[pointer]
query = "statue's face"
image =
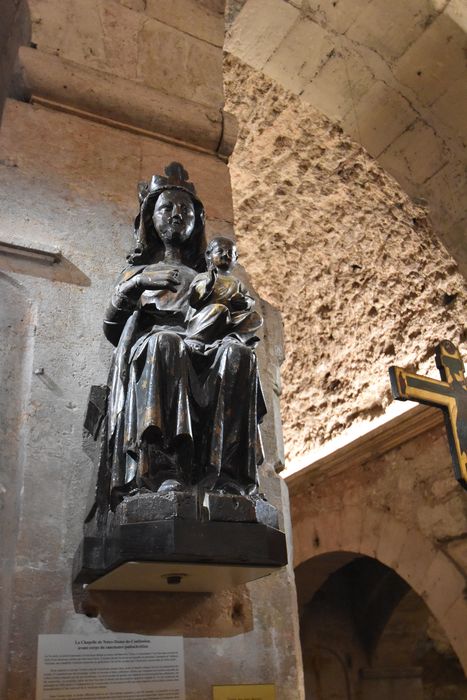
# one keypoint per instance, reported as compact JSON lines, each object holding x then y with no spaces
{"x":174,"y":216}
{"x":222,"y":255}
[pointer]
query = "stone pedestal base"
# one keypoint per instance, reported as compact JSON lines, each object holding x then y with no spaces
{"x":229,"y":508}
{"x":157,"y":506}
{"x":243,"y":551}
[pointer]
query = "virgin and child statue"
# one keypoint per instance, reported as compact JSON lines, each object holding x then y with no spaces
{"x":184,"y":399}
{"x":174,"y":434}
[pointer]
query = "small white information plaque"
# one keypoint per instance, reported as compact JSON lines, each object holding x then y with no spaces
{"x":111,"y":667}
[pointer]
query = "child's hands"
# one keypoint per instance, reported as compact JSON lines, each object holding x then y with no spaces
{"x":238,"y":302}
{"x":212,"y":277}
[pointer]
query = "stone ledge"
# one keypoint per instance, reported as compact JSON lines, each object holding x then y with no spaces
{"x":375,"y":443}
{"x":90,"y":93}
{"x":37,"y":252}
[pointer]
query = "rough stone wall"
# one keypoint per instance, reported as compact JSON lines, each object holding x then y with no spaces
{"x":332,"y":241}
{"x":393,"y":75}
{"x":403,"y":508}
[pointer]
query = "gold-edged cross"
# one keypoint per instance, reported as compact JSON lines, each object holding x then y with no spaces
{"x":449,"y":394}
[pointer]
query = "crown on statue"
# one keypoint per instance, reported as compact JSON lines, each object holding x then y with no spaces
{"x":175,"y":177}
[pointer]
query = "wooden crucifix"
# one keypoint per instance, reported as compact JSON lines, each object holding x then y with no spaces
{"x":449,"y":394}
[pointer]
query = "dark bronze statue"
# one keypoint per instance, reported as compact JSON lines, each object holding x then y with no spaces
{"x":175,"y":433}
{"x":185,"y":398}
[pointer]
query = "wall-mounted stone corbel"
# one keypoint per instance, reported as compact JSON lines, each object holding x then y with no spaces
{"x":92,"y":94}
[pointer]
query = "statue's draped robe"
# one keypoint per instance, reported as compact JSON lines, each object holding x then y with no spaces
{"x":201,"y":403}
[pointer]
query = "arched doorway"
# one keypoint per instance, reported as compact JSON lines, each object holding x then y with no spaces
{"x":372,"y":532}
{"x":366,"y":634}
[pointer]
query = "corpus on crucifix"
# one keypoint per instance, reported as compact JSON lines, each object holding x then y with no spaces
{"x":450,"y":394}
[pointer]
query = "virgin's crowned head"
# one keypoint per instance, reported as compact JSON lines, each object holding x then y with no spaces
{"x":170,"y":213}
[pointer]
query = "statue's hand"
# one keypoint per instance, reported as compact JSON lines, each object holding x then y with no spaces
{"x":157,"y":279}
{"x":212,"y":277}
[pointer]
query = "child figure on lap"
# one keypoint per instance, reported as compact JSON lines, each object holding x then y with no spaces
{"x":222,"y":306}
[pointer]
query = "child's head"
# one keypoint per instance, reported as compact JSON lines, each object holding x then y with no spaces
{"x":221,"y":254}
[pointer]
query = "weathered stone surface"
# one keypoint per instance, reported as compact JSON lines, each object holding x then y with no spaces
{"x":119,"y":40}
{"x":101,"y":35}
{"x":271,"y":345}
{"x":225,"y":507}
{"x":415,"y":155}
{"x":299,"y":56}
{"x":128,"y":103}
{"x":446,"y":187}
{"x":15,"y":370}
{"x":226,"y":614}
{"x":181,"y":65}
{"x":443,"y":586}
{"x":191,"y":17}
{"x":381,"y":72}
{"x":343,"y":79}
{"x":259,"y":30}
{"x":421,"y":69}
{"x":102,"y":173}
{"x":155,"y":506}
{"x":390,"y":33}
{"x":379,"y":118}
{"x":457,"y":549}
{"x":362,"y":271}
{"x":340,"y":16}
{"x":409,"y":507}
{"x":456,"y":95}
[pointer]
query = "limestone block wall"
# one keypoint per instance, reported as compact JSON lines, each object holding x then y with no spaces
{"x":70,"y":184}
{"x":173,"y":47}
{"x":150,"y":67}
{"x":402,"y":507}
{"x":333,"y":241}
{"x":392,"y":74}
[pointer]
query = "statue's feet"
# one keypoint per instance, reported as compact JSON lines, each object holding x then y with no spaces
{"x":136,"y":491}
{"x":253,"y":490}
{"x":230,"y":487}
{"x":221,"y":484}
{"x":170,"y":485}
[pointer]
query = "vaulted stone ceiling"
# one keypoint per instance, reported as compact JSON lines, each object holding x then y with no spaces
{"x":392,"y":72}
{"x":330,"y":239}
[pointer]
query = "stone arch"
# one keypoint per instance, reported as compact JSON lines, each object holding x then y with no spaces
{"x":380,"y":76}
{"x":379,"y":534}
